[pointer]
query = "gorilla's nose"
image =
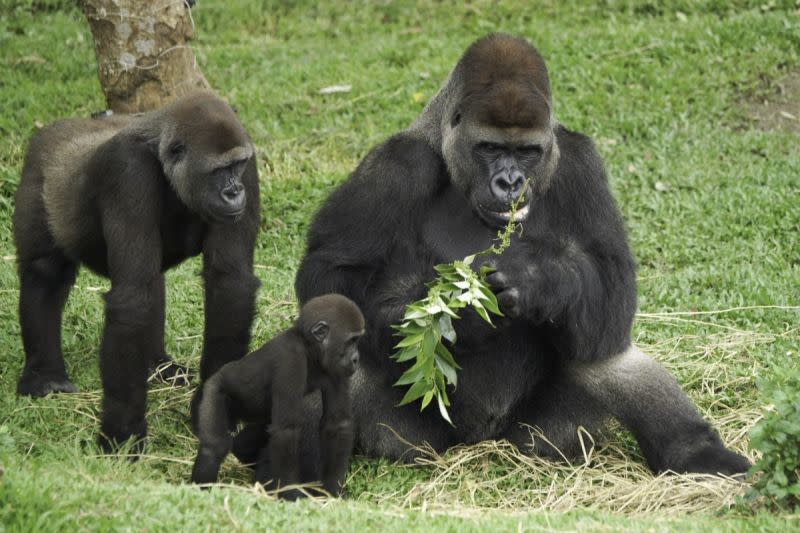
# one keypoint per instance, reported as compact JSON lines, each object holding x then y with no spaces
{"x":233,"y":195}
{"x":507,"y":185}
{"x":354,"y":358}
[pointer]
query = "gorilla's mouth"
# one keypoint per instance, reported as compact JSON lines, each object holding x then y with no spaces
{"x":503,"y":217}
{"x":225,"y":215}
{"x":520,"y":215}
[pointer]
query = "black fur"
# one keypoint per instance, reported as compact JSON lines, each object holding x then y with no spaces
{"x":318,"y":352}
{"x":131,"y":197}
{"x":562,"y":357}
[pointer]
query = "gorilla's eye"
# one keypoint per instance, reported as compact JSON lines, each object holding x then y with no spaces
{"x":530,"y":151}
{"x":456,"y":120}
{"x":176,"y":149}
{"x":491,"y":148}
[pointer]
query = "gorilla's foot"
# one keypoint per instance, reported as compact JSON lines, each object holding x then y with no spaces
{"x":165,"y":370}
{"x":715,"y":460}
{"x":128,"y":438}
{"x":39,"y":385}
{"x":705,"y":455}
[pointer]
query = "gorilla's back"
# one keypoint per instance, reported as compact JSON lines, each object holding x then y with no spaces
{"x":62,"y":171}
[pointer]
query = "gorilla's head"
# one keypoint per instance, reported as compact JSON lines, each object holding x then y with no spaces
{"x":497,"y":127}
{"x":332,"y":326}
{"x":204,"y":151}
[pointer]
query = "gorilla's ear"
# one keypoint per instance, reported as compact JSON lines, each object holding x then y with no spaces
{"x":455,"y":120}
{"x":320,"y":330}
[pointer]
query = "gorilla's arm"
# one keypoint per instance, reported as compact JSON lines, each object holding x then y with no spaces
{"x":230,"y":286}
{"x":577,"y":278}
{"x":128,"y":206}
{"x":337,"y":433}
{"x":358,"y":226}
{"x":288,"y":388}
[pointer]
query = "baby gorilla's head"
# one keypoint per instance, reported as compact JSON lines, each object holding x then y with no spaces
{"x":333,"y":324}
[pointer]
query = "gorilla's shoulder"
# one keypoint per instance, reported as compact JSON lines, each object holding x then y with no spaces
{"x":578,"y":155}
{"x":402,"y":157}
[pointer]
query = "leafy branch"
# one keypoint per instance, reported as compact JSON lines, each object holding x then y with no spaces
{"x":428,"y":322}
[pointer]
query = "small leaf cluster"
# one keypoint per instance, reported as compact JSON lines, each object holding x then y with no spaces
{"x":427,"y":324}
{"x":777,"y":437}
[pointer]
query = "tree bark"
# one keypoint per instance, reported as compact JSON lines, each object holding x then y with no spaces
{"x":143,"y":56}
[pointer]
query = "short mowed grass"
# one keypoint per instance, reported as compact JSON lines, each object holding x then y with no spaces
{"x":711,"y":198}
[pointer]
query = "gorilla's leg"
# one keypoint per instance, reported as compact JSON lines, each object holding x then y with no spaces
{"x":162,"y":367}
{"x":385,"y":430}
{"x":646,"y":399}
{"x":557,"y":409}
{"x":251,"y":446}
{"x":642,"y":395}
{"x":213,"y":433}
{"x":248,"y":442}
{"x":45,"y":283}
{"x":125,"y":353}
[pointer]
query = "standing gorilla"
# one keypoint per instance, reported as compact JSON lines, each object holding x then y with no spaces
{"x":131,"y":197}
{"x":563,"y":357}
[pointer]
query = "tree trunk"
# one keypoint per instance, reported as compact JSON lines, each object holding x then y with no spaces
{"x":143,"y":56}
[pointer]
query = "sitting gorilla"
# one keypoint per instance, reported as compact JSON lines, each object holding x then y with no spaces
{"x":562,"y":357}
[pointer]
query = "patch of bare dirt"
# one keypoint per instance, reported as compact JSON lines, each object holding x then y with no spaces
{"x":779,"y":109}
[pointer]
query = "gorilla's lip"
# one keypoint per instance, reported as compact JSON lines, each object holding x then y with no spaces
{"x":227,"y":216}
{"x":520,"y":214}
{"x":503,"y":217}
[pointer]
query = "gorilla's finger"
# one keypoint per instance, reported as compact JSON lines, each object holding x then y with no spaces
{"x":497,"y":280}
{"x":508,"y":300}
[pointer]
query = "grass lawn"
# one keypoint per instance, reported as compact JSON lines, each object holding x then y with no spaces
{"x":695,"y":107}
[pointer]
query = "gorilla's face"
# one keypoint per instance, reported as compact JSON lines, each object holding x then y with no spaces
{"x":333,"y":326}
{"x":490,"y":165}
{"x":205,"y":159}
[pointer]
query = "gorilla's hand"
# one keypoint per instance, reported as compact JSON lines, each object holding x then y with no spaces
{"x":539,"y":291}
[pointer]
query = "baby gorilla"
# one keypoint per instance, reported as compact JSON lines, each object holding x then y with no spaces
{"x":319,"y":351}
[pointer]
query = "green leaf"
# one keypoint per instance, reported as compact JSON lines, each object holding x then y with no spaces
{"x":412,"y":375}
{"x":448,"y":310}
{"x":466,"y":298}
{"x":482,"y":312}
{"x":445,"y":268}
{"x":428,"y":344}
{"x":490,"y":303}
{"x":469,"y":259}
{"x":448,"y":371}
{"x":463,"y":270}
{"x":426,"y":399}
{"x":416,"y":390}
{"x":413,"y":311}
{"x":410,"y":340}
{"x":443,"y":410}
{"x":485,"y":270}
{"x":405,"y":355}
{"x":438,"y":381}
{"x":444,"y":397}
{"x":446,"y":327}
{"x":444,"y":353}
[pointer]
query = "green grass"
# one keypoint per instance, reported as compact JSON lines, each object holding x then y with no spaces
{"x":663,"y":87}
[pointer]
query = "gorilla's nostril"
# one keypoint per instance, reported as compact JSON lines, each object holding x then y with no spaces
{"x":232,"y":194}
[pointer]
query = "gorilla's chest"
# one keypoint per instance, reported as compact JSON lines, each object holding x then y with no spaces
{"x":451,"y":231}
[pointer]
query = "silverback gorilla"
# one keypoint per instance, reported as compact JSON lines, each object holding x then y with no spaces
{"x":562,"y":357}
{"x":130,"y":197}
